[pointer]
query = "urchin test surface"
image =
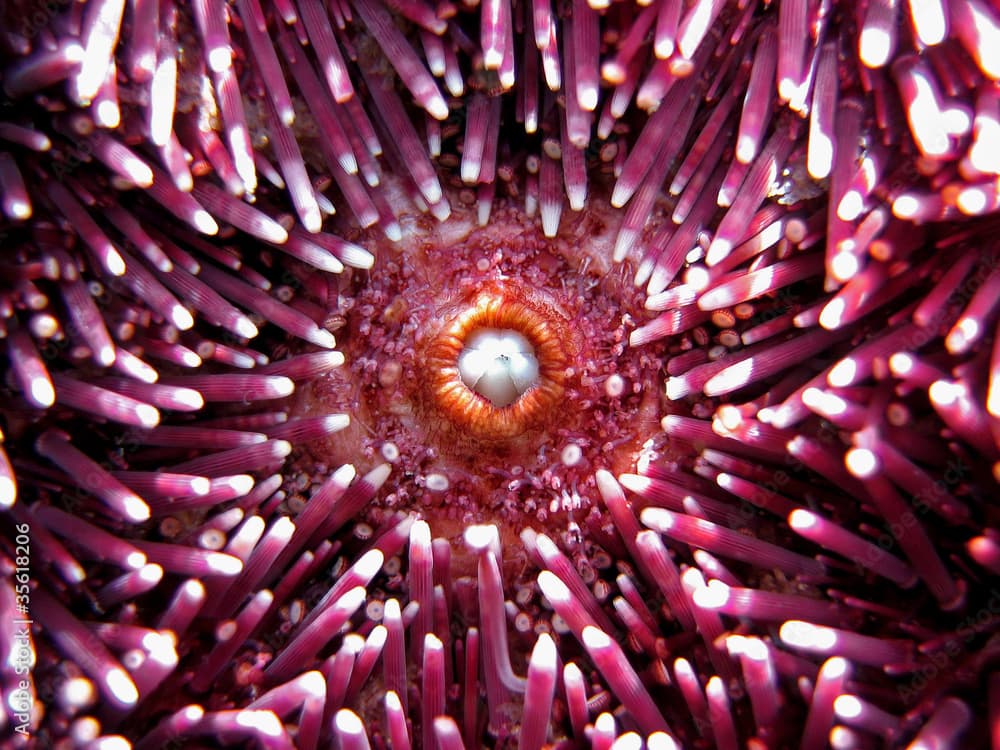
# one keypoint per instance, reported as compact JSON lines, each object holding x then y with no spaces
{"x":612,"y":401}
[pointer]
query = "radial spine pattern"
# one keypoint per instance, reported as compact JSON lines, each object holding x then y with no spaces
{"x":759,"y":509}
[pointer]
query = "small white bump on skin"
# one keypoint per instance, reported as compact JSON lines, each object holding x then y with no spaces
{"x":571,"y":455}
{"x":499,"y":365}
{"x":614,"y":386}
{"x":436,"y":482}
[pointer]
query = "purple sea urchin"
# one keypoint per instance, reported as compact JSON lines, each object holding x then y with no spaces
{"x":225,"y":526}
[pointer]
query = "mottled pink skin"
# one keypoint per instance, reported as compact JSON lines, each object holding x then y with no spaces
{"x":382,"y":385}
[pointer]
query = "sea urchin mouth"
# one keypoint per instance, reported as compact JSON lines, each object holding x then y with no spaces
{"x":499,"y":364}
{"x":596,"y":401}
{"x":504,"y":306}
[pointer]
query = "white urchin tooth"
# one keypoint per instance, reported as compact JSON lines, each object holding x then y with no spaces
{"x":496,"y":384}
{"x":473,"y":364}
{"x":523,"y":370}
{"x":498,"y":364}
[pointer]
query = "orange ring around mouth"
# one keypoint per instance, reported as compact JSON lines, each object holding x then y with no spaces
{"x":508,"y":306}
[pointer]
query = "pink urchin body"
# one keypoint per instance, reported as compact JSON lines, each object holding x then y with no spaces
{"x":606,"y":414}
